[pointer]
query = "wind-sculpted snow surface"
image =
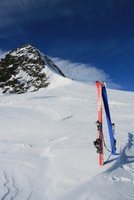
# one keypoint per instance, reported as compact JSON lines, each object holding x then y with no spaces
{"x":46,"y":145}
{"x":116,"y":183}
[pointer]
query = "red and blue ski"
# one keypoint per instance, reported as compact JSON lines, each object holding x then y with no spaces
{"x":102,"y":96}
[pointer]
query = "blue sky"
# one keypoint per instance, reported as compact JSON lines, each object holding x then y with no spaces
{"x":98,"y":33}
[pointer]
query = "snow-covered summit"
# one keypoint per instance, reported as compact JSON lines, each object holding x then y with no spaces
{"x":26,"y":69}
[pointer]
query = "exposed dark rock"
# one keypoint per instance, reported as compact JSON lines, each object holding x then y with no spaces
{"x":23,"y":70}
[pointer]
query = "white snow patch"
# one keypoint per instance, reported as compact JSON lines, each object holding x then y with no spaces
{"x":46,"y":145}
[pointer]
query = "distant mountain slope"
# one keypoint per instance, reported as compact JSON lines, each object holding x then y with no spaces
{"x":26,"y":69}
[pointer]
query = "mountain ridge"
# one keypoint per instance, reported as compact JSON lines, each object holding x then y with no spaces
{"x":25,"y":70}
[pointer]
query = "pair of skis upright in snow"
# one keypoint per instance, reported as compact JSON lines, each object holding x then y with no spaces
{"x":102,"y":95}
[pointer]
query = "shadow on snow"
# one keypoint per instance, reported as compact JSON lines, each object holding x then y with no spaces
{"x":126,"y":156}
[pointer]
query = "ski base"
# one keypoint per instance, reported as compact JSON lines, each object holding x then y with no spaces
{"x":99,"y":123}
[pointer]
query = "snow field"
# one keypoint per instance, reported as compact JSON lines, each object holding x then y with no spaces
{"x":46,"y":145}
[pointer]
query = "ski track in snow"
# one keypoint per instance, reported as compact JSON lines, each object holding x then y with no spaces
{"x":13,"y":188}
{"x":19,"y":171}
{"x":9,"y":184}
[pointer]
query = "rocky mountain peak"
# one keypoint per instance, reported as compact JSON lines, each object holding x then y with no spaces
{"x":25,"y":69}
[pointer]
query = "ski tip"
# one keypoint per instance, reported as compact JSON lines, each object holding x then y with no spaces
{"x":98,"y":82}
{"x":101,"y":82}
{"x":104,"y":84}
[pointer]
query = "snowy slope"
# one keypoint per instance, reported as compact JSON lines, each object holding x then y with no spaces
{"x":46,"y":145}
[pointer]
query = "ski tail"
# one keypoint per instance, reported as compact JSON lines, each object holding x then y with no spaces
{"x":99,"y":123}
{"x":108,"y":117}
